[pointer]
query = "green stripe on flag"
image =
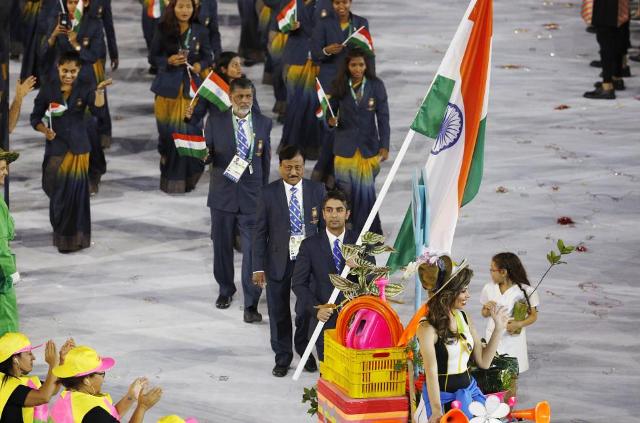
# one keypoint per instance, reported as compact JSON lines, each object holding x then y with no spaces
{"x":405,"y":245}
{"x":190,"y":152}
{"x":477,"y":163}
{"x":430,"y":115}
{"x":213,"y":99}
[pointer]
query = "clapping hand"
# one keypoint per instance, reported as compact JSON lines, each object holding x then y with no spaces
{"x":499,"y":316}
{"x":66,"y":347}
{"x":51,"y":354}
{"x":136,"y":387}
{"x":146,"y":400}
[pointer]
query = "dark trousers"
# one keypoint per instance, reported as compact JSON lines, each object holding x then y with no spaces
{"x":278,"y":301}
{"x":222,"y":224}
{"x":149,"y":26}
{"x":612,"y":44}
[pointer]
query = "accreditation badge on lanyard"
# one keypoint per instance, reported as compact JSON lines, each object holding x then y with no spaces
{"x":238,"y":165}
{"x":294,"y":245}
{"x":236,"y":168}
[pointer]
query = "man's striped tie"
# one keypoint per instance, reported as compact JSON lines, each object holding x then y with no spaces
{"x":295,"y":214}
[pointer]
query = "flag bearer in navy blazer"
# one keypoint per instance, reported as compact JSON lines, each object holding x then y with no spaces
{"x":319,"y":256}
{"x":239,"y":142}
{"x":288,"y":211}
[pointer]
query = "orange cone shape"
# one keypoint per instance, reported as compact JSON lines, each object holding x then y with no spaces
{"x":540,"y":414}
{"x":454,"y":415}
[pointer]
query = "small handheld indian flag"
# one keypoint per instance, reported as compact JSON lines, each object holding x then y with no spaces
{"x":216,"y":90}
{"x":287,"y":16}
{"x":155,"y":8}
{"x":362,"y":40}
{"x":321,"y":112}
{"x":54,"y":110}
{"x":77,"y":17}
{"x":190,"y":145}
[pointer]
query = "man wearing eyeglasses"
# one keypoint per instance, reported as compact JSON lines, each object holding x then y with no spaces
{"x":319,"y":256}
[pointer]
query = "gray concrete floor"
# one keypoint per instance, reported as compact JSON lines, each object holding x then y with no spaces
{"x":143,"y":293}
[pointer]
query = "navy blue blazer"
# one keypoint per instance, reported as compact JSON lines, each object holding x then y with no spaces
{"x":327,"y":31}
{"x":310,"y":281}
{"x":363,"y":125}
{"x":169,"y":78}
{"x":71,"y":127}
{"x":208,"y":17}
{"x":296,"y":50}
{"x":101,"y":10}
{"x":272,"y":230}
{"x":225,"y":194}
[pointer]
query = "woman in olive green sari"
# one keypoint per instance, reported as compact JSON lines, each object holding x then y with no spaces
{"x":8,"y":272}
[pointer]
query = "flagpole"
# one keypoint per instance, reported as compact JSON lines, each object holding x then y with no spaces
{"x":62,"y":7}
{"x":374,"y":211}
{"x":354,"y":33}
{"x":50,"y":118}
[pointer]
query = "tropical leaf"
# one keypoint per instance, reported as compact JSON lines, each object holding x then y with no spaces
{"x":381,"y":249}
{"x":343,"y":284}
{"x":372,"y":238}
{"x":350,"y":251}
{"x":393,"y":289}
{"x":364,"y":263}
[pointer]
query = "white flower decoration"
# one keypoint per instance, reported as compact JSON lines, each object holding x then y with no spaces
{"x":491,"y":412}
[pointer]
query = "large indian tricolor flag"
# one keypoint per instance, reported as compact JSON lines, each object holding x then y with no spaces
{"x":454,"y":114}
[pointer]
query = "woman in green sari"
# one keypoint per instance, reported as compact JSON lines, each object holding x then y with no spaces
{"x":8,"y":272}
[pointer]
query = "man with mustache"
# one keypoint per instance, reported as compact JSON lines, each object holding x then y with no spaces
{"x":288,"y":212}
{"x":240,"y":154}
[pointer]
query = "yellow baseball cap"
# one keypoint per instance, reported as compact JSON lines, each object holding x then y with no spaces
{"x":14,"y":343}
{"x":175,"y":419}
{"x":82,"y":361}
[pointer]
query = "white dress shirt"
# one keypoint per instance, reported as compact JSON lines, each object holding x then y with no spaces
{"x":332,"y":238}
{"x":287,"y":190}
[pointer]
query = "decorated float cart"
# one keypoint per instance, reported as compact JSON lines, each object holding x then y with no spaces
{"x":372,"y":369}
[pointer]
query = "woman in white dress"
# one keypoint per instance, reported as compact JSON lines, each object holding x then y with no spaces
{"x":510,"y":285}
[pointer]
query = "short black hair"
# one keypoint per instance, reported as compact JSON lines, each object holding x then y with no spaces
{"x":288,"y":152}
{"x":242,"y":83}
{"x":339,"y":195}
{"x":70,"y":56}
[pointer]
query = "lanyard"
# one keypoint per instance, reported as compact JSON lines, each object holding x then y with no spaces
{"x":248,"y":131}
{"x":360,"y":90}
{"x":185,"y":42}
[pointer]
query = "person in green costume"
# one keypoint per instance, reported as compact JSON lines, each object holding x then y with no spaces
{"x":8,"y":273}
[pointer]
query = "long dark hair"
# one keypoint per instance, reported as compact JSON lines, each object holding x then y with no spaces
{"x":439,"y":311}
{"x":339,"y":85}
{"x":5,"y":369}
{"x":169,"y":23}
{"x":222,"y":61}
{"x":515,"y":271}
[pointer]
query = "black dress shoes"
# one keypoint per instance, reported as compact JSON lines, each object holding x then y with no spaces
{"x":279,"y":371}
{"x":223,"y":301}
{"x":311,"y":366}
{"x":251,"y":315}
{"x":600,"y":94}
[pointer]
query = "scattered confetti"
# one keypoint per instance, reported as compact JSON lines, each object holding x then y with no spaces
{"x":551,"y":26}
{"x":555,"y":187}
{"x":561,"y":107}
{"x":582,"y":248}
{"x":565,"y":220}
{"x":520,"y":30}
{"x":510,"y":66}
{"x":501,"y":190}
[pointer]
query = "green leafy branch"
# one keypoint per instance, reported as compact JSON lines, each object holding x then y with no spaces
{"x":310,"y":395}
{"x":555,"y":258}
{"x":366,"y":272}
